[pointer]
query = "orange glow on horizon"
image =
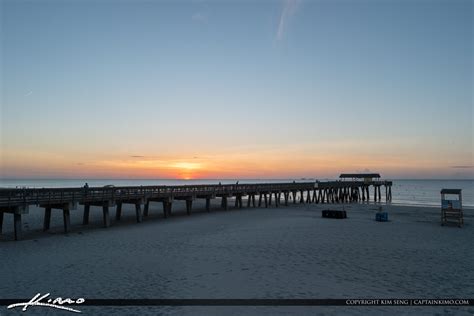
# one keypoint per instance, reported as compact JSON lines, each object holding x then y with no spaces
{"x":252,"y":163}
{"x":186,"y":165}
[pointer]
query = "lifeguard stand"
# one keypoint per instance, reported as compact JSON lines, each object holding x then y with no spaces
{"x":451,"y":210}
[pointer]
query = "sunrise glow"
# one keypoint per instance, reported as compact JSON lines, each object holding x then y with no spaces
{"x":187,"y":94}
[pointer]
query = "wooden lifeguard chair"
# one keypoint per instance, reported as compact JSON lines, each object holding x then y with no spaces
{"x":451,"y":210}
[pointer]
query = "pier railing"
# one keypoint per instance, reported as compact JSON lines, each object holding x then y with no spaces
{"x":15,"y":197}
{"x":38,"y":196}
{"x":17,"y":201}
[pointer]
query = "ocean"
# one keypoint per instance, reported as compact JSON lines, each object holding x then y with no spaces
{"x":404,"y":191}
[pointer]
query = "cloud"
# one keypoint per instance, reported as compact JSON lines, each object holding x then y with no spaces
{"x":137,"y":156}
{"x":28,"y":94}
{"x":199,"y":17}
{"x":289,"y":9}
{"x":462,"y":167}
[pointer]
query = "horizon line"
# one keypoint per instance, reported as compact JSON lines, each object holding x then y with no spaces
{"x":197,"y":179}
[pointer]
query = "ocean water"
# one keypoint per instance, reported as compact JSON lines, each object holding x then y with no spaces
{"x":405,"y":192}
{"x":427,"y":192}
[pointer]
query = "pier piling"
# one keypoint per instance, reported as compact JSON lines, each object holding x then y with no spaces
{"x":16,"y":201}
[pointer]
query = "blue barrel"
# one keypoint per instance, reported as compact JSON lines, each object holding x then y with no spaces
{"x":381,"y":217}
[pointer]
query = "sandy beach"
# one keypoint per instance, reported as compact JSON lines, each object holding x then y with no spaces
{"x":285,"y":252}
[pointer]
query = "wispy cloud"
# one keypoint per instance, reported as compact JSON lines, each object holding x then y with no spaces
{"x":199,"y":17}
{"x":462,"y":167}
{"x":137,"y":156}
{"x":289,"y":9}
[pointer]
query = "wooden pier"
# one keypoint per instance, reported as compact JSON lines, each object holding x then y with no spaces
{"x":17,"y":201}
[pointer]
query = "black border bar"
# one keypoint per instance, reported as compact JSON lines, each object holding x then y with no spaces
{"x":262,"y":302}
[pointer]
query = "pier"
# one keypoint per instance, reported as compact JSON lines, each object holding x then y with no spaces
{"x":17,"y":201}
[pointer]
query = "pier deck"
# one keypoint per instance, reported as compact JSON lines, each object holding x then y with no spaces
{"x":17,"y":201}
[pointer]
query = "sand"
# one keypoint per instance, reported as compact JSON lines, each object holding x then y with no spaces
{"x":285,"y":252}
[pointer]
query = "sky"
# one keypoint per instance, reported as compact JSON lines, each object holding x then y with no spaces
{"x":236,"y":89}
